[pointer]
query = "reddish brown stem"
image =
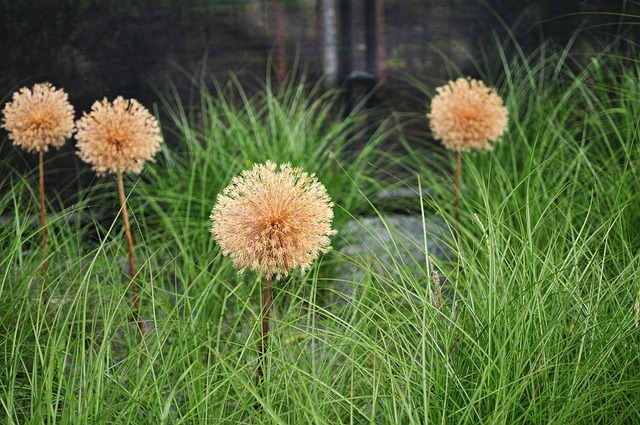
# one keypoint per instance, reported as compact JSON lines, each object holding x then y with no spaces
{"x":264,"y":337}
{"x":43,"y":231}
{"x":132,"y":266}
{"x":456,"y":195}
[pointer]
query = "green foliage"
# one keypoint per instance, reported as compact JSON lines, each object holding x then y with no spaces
{"x":535,"y":324}
{"x":548,"y":253}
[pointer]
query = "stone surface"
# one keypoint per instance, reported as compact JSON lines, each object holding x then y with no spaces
{"x":378,"y":235}
{"x":384,"y":245}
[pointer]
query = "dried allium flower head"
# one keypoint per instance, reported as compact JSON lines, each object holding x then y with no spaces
{"x":39,"y":118}
{"x":273,"y":221}
{"x":466,"y":114}
{"x":118,"y":137}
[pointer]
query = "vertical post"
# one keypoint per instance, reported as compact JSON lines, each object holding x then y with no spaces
{"x":370,"y":36}
{"x":280,"y":57}
{"x":329,"y":54}
{"x":380,"y":42}
{"x":371,"y":51}
{"x":346,"y":60}
{"x":346,"y":41}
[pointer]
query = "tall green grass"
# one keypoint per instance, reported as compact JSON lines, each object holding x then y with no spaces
{"x":536,"y":323}
{"x":549,"y":251}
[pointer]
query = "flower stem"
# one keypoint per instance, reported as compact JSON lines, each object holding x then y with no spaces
{"x":264,"y":338}
{"x":43,"y":232}
{"x":132,"y":266}
{"x":456,"y":195}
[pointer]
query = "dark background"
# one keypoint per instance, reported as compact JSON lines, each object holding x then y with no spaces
{"x":141,"y":48}
{"x":97,"y":48}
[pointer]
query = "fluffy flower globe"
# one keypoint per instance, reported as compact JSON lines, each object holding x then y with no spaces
{"x":466,"y":114}
{"x":38,"y":118}
{"x":118,"y":137}
{"x":271,"y":221}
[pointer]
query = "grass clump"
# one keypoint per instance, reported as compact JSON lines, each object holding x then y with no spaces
{"x":548,"y":258}
{"x":531,"y":321}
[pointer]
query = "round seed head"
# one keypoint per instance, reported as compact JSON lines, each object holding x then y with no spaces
{"x":273,"y":221}
{"x":38,"y":118}
{"x":118,"y":137}
{"x":466,"y":115}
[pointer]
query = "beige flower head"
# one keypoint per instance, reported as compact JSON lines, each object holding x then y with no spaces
{"x":272,"y":221}
{"x":466,"y":114}
{"x":39,"y":118}
{"x":118,"y":137}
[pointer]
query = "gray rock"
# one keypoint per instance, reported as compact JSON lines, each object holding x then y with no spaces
{"x":385,"y":245}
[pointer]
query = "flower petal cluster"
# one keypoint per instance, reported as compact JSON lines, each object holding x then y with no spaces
{"x":38,"y":118}
{"x":273,"y":222}
{"x":118,"y":137}
{"x":466,"y":115}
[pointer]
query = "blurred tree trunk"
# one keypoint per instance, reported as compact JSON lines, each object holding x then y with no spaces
{"x":329,"y":44}
{"x":280,"y":55}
